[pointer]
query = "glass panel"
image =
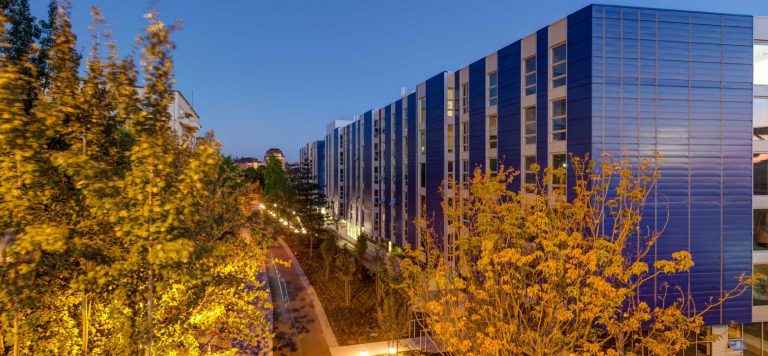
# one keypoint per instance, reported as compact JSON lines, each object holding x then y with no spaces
{"x":765,"y":339}
{"x":493,"y":80}
{"x":734,"y":331}
{"x":752,"y":339}
{"x":760,"y":119}
{"x":760,"y":173}
{"x":760,"y":229}
{"x":558,"y":70}
{"x":493,"y":165}
{"x":530,"y":64}
{"x":558,"y":53}
{"x":558,"y":108}
{"x":760,"y":290}
{"x":559,"y":161}
{"x":761,"y":63}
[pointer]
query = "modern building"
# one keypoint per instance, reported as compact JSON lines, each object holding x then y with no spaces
{"x":625,"y":81}
{"x":184,"y":119}
{"x":248,"y":162}
{"x":314,"y":154}
{"x":277,"y":153}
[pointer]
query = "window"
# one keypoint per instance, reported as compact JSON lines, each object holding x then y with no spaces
{"x":559,"y":65}
{"x":760,"y":173}
{"x":530,"y":75}
{"x":493,"y":89}
{"x":701,"y":343}
{"x":465,"y":98}
{"x":760,"y":119}
{"x":493,"y":165}
{"x":422,"y":142}
{"x":760,"y":290}
{"x":422,"y":110}
{"x":423,"y":175}
{"x":465,"y":136}
{"x":529,"y":175}
{"x":464,"y":170}
{"x":530,"y":125}
{"x":450,"y":170}
{"x":449,"y":138}
{"x":559,"y":120}
{"x":761,"y":63}
{"x":449,"y":103}
{"x":559,"y":172}
{"x":760,"y":229}
{"x":752,"y":337}
{"x":493,"y":131}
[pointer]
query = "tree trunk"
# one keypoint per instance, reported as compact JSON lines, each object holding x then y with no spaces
{"x":85,"y":324}
{"x":15,"y":329}
{"x":311,"y":245}
{"x":149,"y":309}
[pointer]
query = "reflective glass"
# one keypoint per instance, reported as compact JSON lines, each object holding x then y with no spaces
{"x":760,"y":290}
{"x":761,"y":63}
{"x":760,"y":229}
{"x":752,"y":339}
{"x":760,"y":173}
{"x":558,"y":53}
{"x":760,"y":119}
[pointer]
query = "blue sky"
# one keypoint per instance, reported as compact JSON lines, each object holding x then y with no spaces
{"x":274,"y":73}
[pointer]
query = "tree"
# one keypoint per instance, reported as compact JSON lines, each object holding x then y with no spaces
{"x":541,"y":274}
{"x":275,"y":180}
{"x":307,"y":202}
{"x":345,"y":270}
{"x":23,"y":32}
{"x":361,"y":250}
{"x":115,"y":232}
{"x":328,"y":250}
{"x":393,"y":316}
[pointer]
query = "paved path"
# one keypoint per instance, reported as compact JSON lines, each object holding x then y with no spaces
{"x":298,"y":328}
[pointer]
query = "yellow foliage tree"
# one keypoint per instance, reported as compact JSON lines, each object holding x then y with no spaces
{"x":539,"y":274}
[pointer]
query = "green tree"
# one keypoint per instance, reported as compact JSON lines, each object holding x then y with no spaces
{"x":345,"y":270}
{"x":23,"y":31}
{"x":328,"y":249}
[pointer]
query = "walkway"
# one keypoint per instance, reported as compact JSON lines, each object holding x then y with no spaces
{"x":300,"y":324}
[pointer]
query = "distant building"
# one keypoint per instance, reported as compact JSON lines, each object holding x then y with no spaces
{"x":314,"y":153}
{"x":248,"y":162}
{"x":278,"y":153}
{"x":184,"y":118}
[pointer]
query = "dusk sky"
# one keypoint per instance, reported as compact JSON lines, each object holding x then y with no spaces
{"x":274,"y":73}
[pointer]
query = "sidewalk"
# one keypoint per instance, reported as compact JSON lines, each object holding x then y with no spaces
{"x":300,"y":324}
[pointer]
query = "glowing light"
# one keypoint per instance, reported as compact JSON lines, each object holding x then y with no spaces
{"x":392,"y":350}
{"x":364,"y":353}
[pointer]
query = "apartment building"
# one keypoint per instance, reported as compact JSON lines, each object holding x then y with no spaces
{"x":314,"y":154}
{"x":626,"y":81}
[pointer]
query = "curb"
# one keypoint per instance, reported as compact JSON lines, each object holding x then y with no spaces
{"x":330,"y":337}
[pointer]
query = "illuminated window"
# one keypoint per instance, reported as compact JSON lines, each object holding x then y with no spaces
{"x":422,"y":142}
{"x":493,"y":131}
{"x":449,"y":138}
{"x":422,"y":110}
{"x":449,"y":103}
{"x":559,"y":172}
{"x":559,"y":65}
